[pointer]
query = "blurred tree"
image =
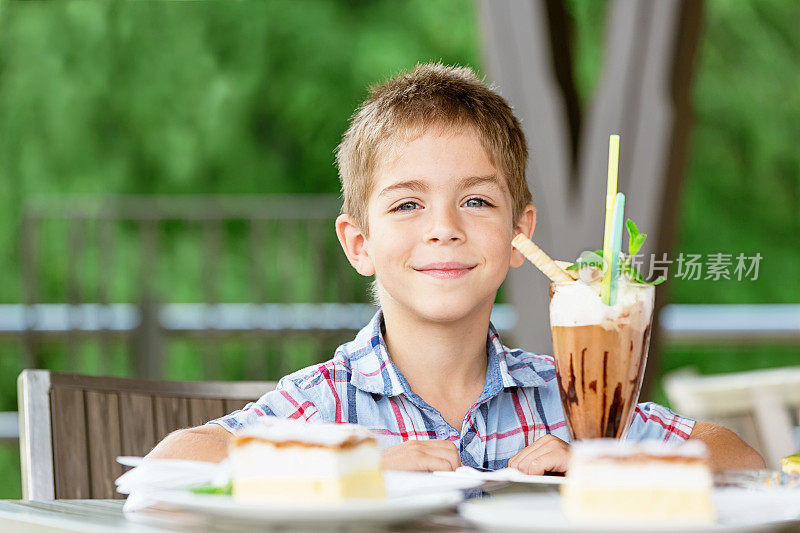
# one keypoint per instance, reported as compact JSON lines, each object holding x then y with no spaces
{"x":200,"y":97}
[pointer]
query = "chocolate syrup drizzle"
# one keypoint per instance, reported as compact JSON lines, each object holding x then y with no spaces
{"x":611,"y":422}
{"x":572,"y":394}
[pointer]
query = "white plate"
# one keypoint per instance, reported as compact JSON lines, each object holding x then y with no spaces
{"x":391,"y":509}
{"x":400,"y":483}
{"x":739,"y":510}
{"x":409,"y":495}
{"x":506,"y":474}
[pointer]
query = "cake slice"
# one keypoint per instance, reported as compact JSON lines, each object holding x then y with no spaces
{"x":616,"y":482}
{"x":293,"y":461}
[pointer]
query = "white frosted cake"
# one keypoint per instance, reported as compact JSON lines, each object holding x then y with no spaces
{"x":292,"y":461}
{"x":616,"y":482}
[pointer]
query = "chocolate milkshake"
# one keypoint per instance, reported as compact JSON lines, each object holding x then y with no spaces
{"x":600,"y":354}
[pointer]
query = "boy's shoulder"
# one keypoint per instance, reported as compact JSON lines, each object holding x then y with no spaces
{"x":359,"y":361}
{"x":336,"y":369}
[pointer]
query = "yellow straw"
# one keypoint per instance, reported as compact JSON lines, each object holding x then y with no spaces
{"x":611,"y":193}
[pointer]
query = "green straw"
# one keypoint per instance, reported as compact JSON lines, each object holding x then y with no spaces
{"x":616,"y":245}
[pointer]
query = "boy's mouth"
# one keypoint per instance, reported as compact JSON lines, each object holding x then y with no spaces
{"x":445,"y":270}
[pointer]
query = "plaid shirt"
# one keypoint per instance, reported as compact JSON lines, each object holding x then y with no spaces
{"x":519,"y":403}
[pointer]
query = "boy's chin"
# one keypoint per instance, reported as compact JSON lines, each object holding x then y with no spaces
{"x":437,"y":306}
{"x":447,"y":311}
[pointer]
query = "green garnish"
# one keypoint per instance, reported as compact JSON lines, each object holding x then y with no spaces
{"x":635,"y":239}
{"x":635,"y":243}
{"x":225,"y":490}
{"x":588,"y":259}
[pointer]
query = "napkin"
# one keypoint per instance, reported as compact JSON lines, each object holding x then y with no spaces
{"x":152,"y":475}
{"x":504,"y":474}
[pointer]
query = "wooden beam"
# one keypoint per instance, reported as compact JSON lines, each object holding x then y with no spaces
{"x":687,"y":42}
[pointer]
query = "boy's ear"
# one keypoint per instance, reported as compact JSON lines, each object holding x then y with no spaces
{"x":525,"y":225}
{"x":354,"y":244}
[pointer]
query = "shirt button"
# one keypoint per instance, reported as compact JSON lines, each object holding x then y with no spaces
{"x":441,"y":432}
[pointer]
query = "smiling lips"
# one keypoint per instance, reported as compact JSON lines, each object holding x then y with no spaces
{"x":445,"y":270}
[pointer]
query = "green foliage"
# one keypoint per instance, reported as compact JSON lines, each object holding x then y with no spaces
{"x":742,"y":192}
{"x":723,"y":358}
{"x":9,"y":470}
{"x":587,"y":35}
{"x":198,"y":97}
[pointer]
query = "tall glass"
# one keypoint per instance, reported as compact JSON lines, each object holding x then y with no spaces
{"x":600,"y":354}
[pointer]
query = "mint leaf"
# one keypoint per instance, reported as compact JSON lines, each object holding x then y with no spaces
{"x":636,"y":245}
{"x":213,"y":489}
{"x":588,"y":259}
{"x":635,"y":242}
{"x":635,"y":239}
{"x":632,"y":229}
{"x":633,"y":274}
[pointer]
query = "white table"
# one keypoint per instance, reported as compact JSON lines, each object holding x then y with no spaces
{"x":85,"y":516}
{"x":105,"y":516}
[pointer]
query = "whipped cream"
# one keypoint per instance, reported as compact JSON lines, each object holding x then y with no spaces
{"x":578,"y":303}
{"x":594,"y":448}
{"x":275,"y":429}
{"x":646,"y":476}
{"x":259,"y":459}
{"x":610,"y":463}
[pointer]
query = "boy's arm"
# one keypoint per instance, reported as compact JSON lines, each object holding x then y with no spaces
{"x":726,"y":450}
{"x":209,"y":442}
{"x":202,"y":443}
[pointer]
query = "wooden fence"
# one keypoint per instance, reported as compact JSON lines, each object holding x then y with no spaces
{"x":121,"y":267}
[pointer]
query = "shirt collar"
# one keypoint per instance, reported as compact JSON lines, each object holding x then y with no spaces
{"x":373,"y":371}
{"x":509,"y":364}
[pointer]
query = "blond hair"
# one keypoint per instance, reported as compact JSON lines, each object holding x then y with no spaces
{"x":432,"y":95}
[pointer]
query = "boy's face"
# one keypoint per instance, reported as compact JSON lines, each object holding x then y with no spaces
{"x":440,"y":228}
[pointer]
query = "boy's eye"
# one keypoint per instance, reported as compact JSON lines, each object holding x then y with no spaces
{"x":406,"y":206}
{"x":472,"y":202}
{"x":477,"y":202}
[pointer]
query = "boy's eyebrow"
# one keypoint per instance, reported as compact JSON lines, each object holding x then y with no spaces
{"x":421,"y":186}
{"x":472,"y":181}
{"x":414,"y":185}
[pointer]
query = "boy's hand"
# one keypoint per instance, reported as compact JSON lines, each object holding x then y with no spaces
{"x":421,"y":455}
{"x":547,"y":454}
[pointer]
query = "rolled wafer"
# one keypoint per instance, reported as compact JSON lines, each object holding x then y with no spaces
{"x":541,"y":260}
{"x":563,"y":265}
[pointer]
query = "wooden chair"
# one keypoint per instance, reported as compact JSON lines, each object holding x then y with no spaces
{"x":72,"y":427}
{"x":762,"y":406}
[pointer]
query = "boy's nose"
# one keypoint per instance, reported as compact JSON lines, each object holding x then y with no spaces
{"x":445,"y":228}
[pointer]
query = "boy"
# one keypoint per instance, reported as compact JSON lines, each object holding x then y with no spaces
{"x":433,"y":178}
